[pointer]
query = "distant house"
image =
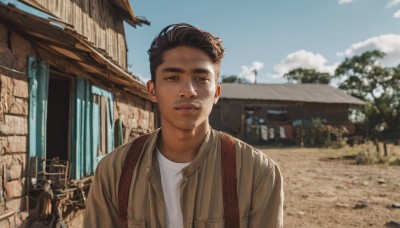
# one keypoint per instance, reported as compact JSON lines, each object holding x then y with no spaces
{"x":65,"y":93}
{"x":279,"y":106}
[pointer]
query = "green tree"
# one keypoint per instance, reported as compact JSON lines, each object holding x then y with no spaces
{"x":362,"y":76}
{"x":233,"y":79}
{"x":303,"y":75}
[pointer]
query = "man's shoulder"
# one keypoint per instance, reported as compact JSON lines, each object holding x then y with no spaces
{"x":114,"y":159}
{"x":117,"y":157}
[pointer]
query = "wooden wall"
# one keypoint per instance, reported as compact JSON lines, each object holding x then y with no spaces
{"x":98,"y":20}
{"x":227,"y":114}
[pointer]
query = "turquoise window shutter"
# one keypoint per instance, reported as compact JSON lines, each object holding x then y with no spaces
{"x":38,"y":75}
{"x":88,"y":161}
{"x":86,"y":130}
{"x":82,"y":131}
{"x":96,"y":133}
{"x":110,"y":123}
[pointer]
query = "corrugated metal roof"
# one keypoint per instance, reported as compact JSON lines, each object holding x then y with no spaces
{"x":316,"y":93}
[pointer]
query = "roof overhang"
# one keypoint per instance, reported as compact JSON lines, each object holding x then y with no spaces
{"x":74,"y":53}
{"x":128,"y":14}
{"x":124,"y":7}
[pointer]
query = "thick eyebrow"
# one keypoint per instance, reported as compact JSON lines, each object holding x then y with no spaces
{"x":201,"y":71}
{"x":178,"y":70}
{"x":172,"y":70}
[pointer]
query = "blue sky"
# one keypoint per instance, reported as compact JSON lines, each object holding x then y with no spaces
{"x":274,"y":36}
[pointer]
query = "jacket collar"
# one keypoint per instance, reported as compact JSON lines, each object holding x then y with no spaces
{"x":151,"y":160}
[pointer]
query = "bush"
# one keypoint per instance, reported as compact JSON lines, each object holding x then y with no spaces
{"x":317,"y":133}
{"x":368,"y":154}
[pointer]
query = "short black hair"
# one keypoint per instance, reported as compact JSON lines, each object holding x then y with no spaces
{"x":183,"y":34}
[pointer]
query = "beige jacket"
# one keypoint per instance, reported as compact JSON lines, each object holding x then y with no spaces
{"x":260,"y":190}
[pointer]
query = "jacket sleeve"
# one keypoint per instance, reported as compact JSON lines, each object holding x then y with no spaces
{"x":267,"y":200}
{"x":101,"y":210}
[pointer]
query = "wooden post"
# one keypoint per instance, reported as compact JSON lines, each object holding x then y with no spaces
{"x":385,"y":149}
{"x":376,"y":143}
{"x":242,"y":126}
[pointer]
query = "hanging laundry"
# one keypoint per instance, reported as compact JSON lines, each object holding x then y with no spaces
{"x":282,"y":132}
{"x":288,"y":131}
{"x":264,"y":132}
{"x":271,"y":133}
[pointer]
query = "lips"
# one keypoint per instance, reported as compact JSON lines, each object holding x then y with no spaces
{"x":187,"y":107}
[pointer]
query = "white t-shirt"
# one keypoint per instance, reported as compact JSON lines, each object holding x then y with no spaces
{"x":171,"y":178}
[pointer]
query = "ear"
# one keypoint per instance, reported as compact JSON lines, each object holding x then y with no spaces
{"x":217,"y":93}
{"x":151,"y":91}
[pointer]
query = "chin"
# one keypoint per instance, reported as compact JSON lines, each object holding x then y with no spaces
{"x":180,"y":123}
{"x":190,"y":125}
{"x":187,"y":126}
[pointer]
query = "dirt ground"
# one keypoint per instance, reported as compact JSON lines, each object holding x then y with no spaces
{"x":336,"y":193}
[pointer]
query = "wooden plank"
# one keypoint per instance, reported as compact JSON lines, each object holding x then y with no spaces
{"x":90,"y":22}
{"x":71,"y":68}
{"x":58,"y":11}
{"x":98,"y":20}
{"x":65,"y":52}
{"x":91,"y":69}
{"x":71,"y":14}
{"x":85,"y":18}
{"x":68,"y":12}
{"x":95,"y":25}
{"x":78,"y":18}
{"x":122,"y":49}
{"x":103,"y":25}
{"x":121,"y":43}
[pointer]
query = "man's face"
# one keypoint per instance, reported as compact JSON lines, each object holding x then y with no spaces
{"x":185,"y":88}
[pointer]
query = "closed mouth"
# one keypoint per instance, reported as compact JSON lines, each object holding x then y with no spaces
{"x":187,"y":107}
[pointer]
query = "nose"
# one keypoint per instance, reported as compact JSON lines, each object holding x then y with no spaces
{"x":187,"y":89}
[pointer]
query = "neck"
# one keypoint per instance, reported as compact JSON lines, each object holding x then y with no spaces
{"x":179,"y":145}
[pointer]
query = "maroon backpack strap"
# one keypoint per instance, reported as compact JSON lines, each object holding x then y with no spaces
{"x":229,"y":181}
{"x":125,"y":179}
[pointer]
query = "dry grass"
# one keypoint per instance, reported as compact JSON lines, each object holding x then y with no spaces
{"x":364,"y":154}
{"x":325,"y":193}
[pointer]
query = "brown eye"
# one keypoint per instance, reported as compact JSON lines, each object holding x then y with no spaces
{"x":172,"y":78}
{"x":202,"y":79}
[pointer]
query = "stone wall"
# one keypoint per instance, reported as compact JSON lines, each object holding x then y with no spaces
{"x":13,"y":126}
{"x":137,"y":114}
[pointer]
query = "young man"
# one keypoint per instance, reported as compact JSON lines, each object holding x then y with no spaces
{"x":177,"y":180}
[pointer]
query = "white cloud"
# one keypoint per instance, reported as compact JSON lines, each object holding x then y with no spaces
{"x":303,"y":59}
{"x":248,"y":72}
{"x":397,"y":14}
{"x":389,"y":44}
{"x":257,"y":65}
{"x":392,"y":3}
{"x":345,"y":1}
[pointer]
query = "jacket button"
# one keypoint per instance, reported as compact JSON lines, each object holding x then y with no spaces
{"x":186,"y":172}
